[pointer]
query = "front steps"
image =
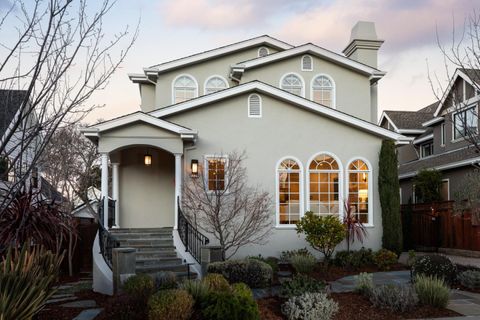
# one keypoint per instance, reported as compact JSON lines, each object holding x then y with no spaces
{"x":155,"y":250}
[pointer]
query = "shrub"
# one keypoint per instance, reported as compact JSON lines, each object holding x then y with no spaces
{"x":364,"y":284}
{"x":235,"y":305}
{"x":165,"y":280}
{"x":435,"y":266}
{"x":384,"y":259}
{"x":354,"y":259}
{"x":173,"y":304}
{"x":286,"y":255}
{"x":271,"y":261}
{"x":396,"y":298}
{"x":216,"y":282}
{"x":310,"y":306}
{"x":323,"y":233}
{"x":470,"y":279}
{"x":197,"y":289}
{"x":303,"y":263}
{"x":428,"y":183}
{"x":253,"y":272}
{"x":139,"y":286}
{"x":432,"y":291}
{"x":300,"y":284}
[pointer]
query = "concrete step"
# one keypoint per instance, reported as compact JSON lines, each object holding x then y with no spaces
{"x":142,"y":230}
{"x":156,"y":254}
{"x":146,"y":242}
{"x":153,"y":268}
{"x":159,"y":259}
{"x":150,"y":247}
{"x":180,"y":275}
{"x":143,"y":235}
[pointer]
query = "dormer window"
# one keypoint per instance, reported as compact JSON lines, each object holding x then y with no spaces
{"x":262,"y":52}
{"x":465,"y":123}
{"x":426,"y":149}
{"x":307,"y":63}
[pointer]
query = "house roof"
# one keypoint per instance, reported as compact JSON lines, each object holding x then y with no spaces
{"x":402,"y":121}
{"x":50,"y":192}
{"x":444,"y":161}
{"x":10,"y":102}
{"x":280,"y":94}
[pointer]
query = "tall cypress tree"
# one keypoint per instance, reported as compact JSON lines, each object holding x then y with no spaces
{"x":389,"y":187}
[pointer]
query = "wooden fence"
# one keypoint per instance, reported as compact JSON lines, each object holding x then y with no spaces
{"x":437,"y":225}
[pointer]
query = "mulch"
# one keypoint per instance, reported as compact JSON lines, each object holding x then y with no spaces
{"x":334,"y":273}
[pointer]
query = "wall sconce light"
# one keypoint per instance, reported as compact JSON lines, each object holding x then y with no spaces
{"x":147,"y":159}
{"x":194,"y":167}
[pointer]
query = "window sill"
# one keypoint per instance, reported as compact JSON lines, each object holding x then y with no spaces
{"x":286,"y":227}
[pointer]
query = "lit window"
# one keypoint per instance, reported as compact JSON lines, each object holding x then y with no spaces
{"x":465,"y":123}
{"x":293,"y":84}
{"x":289,"y":193}
{"x":426,"y":149}
{"x":323,"y":91}
{"x":359,"y":190}
{"x":262,"y":52}
{"x":184,"y":88}
{"x":215,"y":84}
{"x":307,"y":63}
{"x":254,"y":106}
{"x":215,"y":173}
{"x":324,"y":175}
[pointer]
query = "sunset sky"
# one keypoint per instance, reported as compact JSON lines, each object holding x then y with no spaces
{"x":177,"y":28}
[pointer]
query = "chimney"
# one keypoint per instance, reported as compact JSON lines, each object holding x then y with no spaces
{"x":364,"y":44}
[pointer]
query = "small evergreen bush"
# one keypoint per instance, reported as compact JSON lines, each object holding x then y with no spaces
{"x":303,"y":263}
{"x":196,"y":288}
{"x":216,"y":282}
{"x":396,"y":298}
{"x":364,"y":284}
{"x":271,"y":261}
{"x":384,"y":259}
{"x":435,"y":266}
{"x":432,"y":291}
{"x":173,"y":304}
{"x":253,"y":272}
{"x":139,"y":286}
{"x":310,"y":306}
{"x":165,"y":280}
{"x":300,"y":284}
{"x":470,"y":279}
{"x":354,"y":259}
{"x":286,"y":255}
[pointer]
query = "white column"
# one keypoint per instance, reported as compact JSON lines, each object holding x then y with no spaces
{"x":178,"y":184}
{"x":105,"y":188}
{"x":115,"y":192}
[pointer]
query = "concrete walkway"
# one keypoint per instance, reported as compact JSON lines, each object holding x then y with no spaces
{"x":461,"y":260}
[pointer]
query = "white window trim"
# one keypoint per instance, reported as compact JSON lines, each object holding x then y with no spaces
{"x":195,"y":95}
{"x":301,"y":196}
{"x":261,"y":106}
{"x":302,"y":94}
{"x":340,"y":181}
{"x":422,"y":148}
{"x":453,"y":140}
{"x":205,"y":169}
{"x":258,"y":51}
{"x":442,"y":134}
{"x":301,"y":63}
{"x":334,"y":89}
{"x":370,"y":223}
{"x":448,"y":183}
{"x":210,"y":78}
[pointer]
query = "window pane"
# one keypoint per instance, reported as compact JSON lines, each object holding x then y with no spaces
{"x":216,"y":174}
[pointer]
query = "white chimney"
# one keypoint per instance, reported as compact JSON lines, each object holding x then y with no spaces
{"x":364,"y":44}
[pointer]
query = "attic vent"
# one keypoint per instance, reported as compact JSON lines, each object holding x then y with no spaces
{"x":262,"y":52}
{"x":254,"y":106}
{"x":307,"y":63}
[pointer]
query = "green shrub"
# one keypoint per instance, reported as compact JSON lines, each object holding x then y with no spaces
{"x":432,"y":291}
{"x":216,"y":282}
{"x":242,"y":290}
{"x":396,"y":298}
{"x":470,"y":279}
{"x":300,"y":284}
{"x":364,"y":284}
{"x":271,"y":261}
{"x":435,"y":266}
{"x":323,"y":233}
{"x":173,"y":304}
{"x":384,"y":259}
{"x":354,"y":259}
{"x":165,"y":280}
{"x":237,"y":304}
{"x":303,"y":263}
{"x":139,"y":286}
{"x":286,"y":255}
{"x":310,"y":306}
{"x":253,"y":272}
{"x":196,"y":288}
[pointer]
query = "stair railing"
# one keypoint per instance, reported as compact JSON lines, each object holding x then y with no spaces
{"x":192,"y":239}
{"x":106,"y":240}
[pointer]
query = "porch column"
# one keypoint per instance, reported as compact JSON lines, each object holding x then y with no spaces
{"x":105,"y":188}
{"x":115,"y":192}
{"x":178,"y":184}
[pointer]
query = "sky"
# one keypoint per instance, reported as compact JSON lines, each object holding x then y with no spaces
{"x":173,"y":29}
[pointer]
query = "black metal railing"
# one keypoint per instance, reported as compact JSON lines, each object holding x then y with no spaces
{"x":192,"y":239}
{"x":107,"y":241}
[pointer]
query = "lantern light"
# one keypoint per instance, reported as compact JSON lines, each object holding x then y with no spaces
{"x":147,"y":159}
{"x":194,"y":167}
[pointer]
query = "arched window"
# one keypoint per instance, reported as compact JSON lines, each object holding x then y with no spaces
{"x":254,"y":106}
{"x":292,"y":83}
{"x":289,"y":192}
{"x":214,"y":84}
{"x":324,"y":176}
{"x":263,"y":51}
{"x":359,"y":190}
{"x":184,"y":88}
{"x":323,"y":91}
{"x":307,"y":63}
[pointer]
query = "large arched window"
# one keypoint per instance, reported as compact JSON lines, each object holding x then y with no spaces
{"x":359,"y":190}
{"x":289,"y":192}
{"x":292,"y":83}
{"x":214,"y":84}
{"x":323,"y":90}
{"x":324,"y":185}
{"x":184,"y":88}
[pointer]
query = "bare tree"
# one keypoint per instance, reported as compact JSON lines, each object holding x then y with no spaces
{"x":57,"y":52}
{"x":219,"y":201}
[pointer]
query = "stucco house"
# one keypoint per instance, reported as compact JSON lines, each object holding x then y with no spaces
{"x":305,"y":116}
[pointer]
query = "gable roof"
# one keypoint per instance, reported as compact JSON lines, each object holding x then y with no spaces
{"x":314,"y":50}
{"x":281,"y":95}
{"x":10,"y":102}
{"x":409,"y":121}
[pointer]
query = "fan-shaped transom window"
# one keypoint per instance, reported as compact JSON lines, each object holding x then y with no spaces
{"x":324,"y":189}
{"x":307,"y":63}
{"x":293,"y":84}
{"x":323,"y":90}
{"x":263,"y":51}
{"x":254,"y":106}
{"x":184,"y":88}
{"x":214,"y":84}
{"x":359,"y":190}
{"x":289,"y":192}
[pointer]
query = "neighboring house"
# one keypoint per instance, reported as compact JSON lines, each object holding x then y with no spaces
{"x":436,"y":135}
{"x":305,"y":116}
{"x":82,"y":210}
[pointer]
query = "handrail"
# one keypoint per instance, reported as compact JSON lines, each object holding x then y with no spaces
{"x":106,"y":239}
{"x":192,"y":239}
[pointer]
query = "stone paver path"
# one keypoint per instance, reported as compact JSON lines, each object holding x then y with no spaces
{"x":80,"y":304}
{"x":464,"y":261}
{"x":88,"y":314}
